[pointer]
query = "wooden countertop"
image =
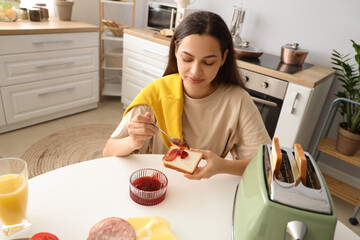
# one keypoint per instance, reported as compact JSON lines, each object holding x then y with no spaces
{"x":309,"y":77}
{"x":52,"y":26}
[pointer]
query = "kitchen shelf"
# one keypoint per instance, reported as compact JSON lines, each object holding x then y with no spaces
{"x":103,"y":66}
{"x":343,"y":190}
{"x":118,"y":2}
{"x":327,"y":145}
{"x":110,"y":87}
{"x":107,"y":35}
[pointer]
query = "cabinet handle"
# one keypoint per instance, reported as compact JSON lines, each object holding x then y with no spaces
{"x":262,"y":101}
{"x":56,"y":91}
{"x":155,"y":52}
{"x":54,"y":64}
{"x":292,"y":110}
{"x":152,"y":73}
{"x":52,"y":42}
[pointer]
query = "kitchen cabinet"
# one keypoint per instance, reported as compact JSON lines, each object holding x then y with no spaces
{"x":110,"y":75}
{"x":46,"y":75}
{"x":143,"y":62}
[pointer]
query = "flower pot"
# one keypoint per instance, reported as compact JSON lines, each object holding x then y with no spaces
{"x":347,"y":143}
{"x":64,"y":10}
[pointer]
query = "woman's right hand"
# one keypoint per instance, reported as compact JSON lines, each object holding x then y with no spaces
{"x":140,"y":129}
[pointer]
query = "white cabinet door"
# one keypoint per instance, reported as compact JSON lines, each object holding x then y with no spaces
{"x":31,"y":43}
{"x":138,"y":71}
{"x":146,"y":48}
{"x":31,"y":100}
{"x":2,"y":113}
{"x":292,"y":114}
{"x":29,"y":67}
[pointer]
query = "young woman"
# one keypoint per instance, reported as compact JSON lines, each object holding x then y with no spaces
{"x":200,"y":99}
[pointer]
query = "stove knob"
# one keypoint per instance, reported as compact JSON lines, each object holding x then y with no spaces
{"x":265,"y":84}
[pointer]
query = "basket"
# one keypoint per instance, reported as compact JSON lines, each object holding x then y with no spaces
{"x":117,"y":29}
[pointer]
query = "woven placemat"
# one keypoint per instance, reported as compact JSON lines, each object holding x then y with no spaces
{"x":67,"y":147}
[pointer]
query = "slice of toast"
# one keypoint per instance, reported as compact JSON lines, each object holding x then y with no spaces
{"x":276,"y":157}
{"x":301,"y":162}
{"x":295,"y":172}
{"x":185,"y":165}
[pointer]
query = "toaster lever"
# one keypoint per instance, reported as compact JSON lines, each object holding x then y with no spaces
{"x":295,"y":230}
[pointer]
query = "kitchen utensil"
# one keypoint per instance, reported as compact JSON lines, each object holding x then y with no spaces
{"x":175,"y":141}
{"x":292,"y":54}
{"x":269,"y":207}
{"x":244,"y":50}
{"x":148,"y":186}
{"x":236,"y":25}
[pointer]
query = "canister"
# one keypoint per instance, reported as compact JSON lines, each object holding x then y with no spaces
{"x":34,"y":15}
{"x":44,"y":12}
{"x":24,"y":13}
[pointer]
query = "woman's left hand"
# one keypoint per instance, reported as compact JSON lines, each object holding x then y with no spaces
{"x":214,"y":164}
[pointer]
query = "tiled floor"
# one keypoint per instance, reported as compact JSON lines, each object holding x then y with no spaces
{"x":109,"y":111}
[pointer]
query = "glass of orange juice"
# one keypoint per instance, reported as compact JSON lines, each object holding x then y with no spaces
{"x":13,"y":195}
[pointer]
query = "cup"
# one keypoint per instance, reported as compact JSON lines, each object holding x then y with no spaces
{"x":13,"y":195}
{"x":148,"y":186}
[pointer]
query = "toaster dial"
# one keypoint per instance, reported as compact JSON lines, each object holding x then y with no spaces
{"x":295,"y":230}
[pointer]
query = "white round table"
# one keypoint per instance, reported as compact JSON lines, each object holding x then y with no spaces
{"x":68,"y":201}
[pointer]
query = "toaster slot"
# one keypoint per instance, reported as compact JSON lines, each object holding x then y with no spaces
{"x":312,"y":180}
{"x":285,"y":174}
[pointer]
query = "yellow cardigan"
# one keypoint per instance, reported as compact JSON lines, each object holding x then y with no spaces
{"x":165,"y":97}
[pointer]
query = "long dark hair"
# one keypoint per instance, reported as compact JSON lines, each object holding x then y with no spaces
{"x":204,"y":22}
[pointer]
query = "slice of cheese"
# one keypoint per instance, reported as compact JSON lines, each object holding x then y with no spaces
{"x":276,"y":157}
{"x":151,"y":228}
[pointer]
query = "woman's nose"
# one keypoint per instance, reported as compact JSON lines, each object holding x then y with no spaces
{"x":195,"y":68}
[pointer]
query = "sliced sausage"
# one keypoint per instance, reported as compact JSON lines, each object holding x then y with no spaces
{"x":112,"y":228}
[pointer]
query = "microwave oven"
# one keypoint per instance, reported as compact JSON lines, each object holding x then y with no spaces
{"x":165,"y":16}
{"x":161,"y":15}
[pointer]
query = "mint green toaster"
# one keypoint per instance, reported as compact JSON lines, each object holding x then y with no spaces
{"x":274,"y":208}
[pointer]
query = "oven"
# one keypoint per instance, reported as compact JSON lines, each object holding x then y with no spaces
{"x":268,"y":94}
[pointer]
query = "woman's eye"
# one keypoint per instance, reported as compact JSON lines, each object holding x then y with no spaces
{"x":209,"y":63}
{"x":187,"y":59}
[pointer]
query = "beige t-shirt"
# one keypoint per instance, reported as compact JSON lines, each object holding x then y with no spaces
{"x":225,"y":119}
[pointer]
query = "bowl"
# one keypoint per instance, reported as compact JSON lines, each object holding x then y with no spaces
{"x":148,"y":186}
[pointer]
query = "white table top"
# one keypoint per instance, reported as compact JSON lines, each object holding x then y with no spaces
{"x":68,"y":201}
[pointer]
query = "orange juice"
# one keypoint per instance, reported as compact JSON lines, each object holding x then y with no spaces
{"x":13,"y":198}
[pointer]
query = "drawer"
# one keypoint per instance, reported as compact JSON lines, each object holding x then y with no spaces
{"x":2,"y":113}
{"x":149,"y":68}
{"x":47,"y":42}
{"x":130,"y":88}
{"x":146,"y":48}
{"x":31,"y":100}
{"x":265,"y":84}
{"x":29,"y":67}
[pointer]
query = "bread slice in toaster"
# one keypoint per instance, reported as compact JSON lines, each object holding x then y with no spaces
{"x":276,"y":157}
{"x":301,"y":162}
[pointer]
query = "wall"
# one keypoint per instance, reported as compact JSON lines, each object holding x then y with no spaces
{"x":318,"y":26}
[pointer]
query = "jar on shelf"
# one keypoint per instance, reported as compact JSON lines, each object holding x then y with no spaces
{"x":34,"y":14}
{"x":23,"y":13}
{"x":9,"y":10}
{"x":44,"y":12}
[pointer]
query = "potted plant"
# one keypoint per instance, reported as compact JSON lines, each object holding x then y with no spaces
{"x":348,"y":140}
